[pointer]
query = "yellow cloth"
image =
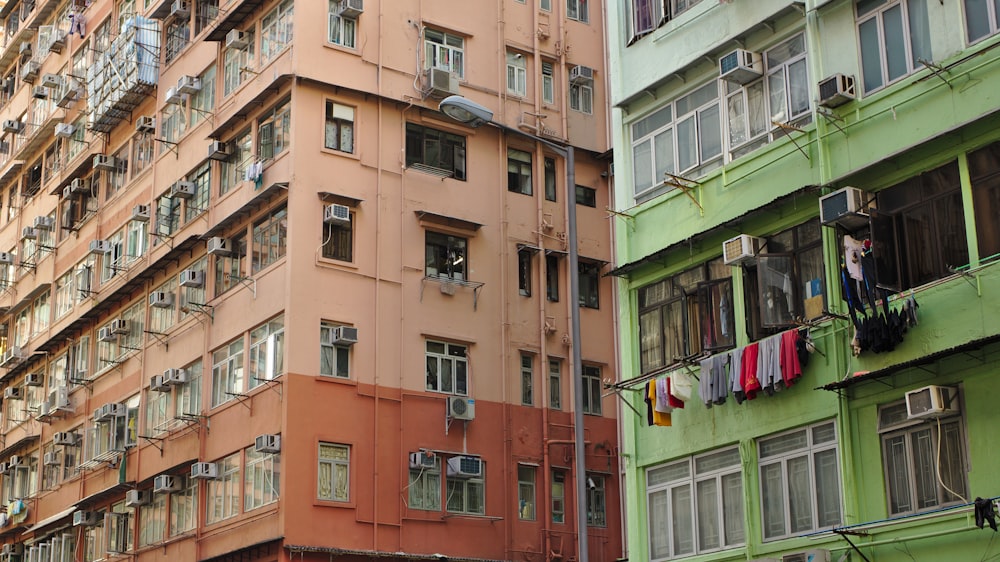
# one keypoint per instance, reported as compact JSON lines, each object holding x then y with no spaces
{"x":659,"y":418}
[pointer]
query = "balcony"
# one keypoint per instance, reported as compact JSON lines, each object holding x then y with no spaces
{"x":121,"y":78}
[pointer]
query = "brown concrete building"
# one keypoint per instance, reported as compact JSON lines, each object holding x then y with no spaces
{"x":261,"y":301}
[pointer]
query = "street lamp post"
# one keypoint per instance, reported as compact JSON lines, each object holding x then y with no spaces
{"x":474,"y":115}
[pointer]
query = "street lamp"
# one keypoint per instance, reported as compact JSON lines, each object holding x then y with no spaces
{"x":474,"y":115}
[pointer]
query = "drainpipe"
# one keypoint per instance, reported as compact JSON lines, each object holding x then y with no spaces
{"x":378,"y":287}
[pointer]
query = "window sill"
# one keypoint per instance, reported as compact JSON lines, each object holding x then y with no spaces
{"x":335,"y":264}
{"x":327,"y":379}
{"x":342,"y":48}
{"x":333,"y":503}
{"x":340,"y":153}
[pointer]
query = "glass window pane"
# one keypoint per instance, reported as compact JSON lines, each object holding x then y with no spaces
{"x":683,"y":529}
{"x":659,"y":536}
{"x":664,"y":155}
{"x":710,"y":129}
{"x":736,"y":115}
{"x":716,"y":461}
{"x":827,"y":488}
{"x":732,"y":509}
{"x":896,"y":470}
{"x":773,"y":498}
{"x":798,"y":88}
{"x":708,"y":515}
{"x":642,"y":164}
{"x":895,"y":42}
{"x":924,"y":463}
{"x":799,"y":494}
{"x":920,"y":32}
{"x":687,"y":143}
{"x":871,"y":54}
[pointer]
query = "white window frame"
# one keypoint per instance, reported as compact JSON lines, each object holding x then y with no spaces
{"x":341,"y":31}
{"x":184,"y":507}
{"x":451,"y":357}
{"x":153,"y":520}
{"x":260,"y":480}
{"x":444,"y":50}
{"x":187,"y":397}
{"x":227,"y":372}
{"x":581,"y":98}
{"x":548,"y":83}
{"x":517,"y":74}
{"x":466,"y":495}
{"x":425,"y":487}
{"x":878,"y":16}
{"x":223,"y":495}
{"x":333,"y":356}
{"x":578,"y":10}
{"x":991,"y":18}
{"x":266,"y":352}
{"x":276,"y":30}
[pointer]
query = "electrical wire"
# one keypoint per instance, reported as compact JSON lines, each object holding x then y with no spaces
{"x":938,"y":470}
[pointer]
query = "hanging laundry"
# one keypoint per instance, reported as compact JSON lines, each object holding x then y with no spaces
{"x":769,"y":364}
{"x":77,"y":24}
{"x":791,"y":368}
{"x":681,"y":386}
{"x":662,"y":392}
{"x":852,"y":257}
{"x":659,"y":418}
{"x":672,"y":400}
{"x":735,"y":372}
{"x":748,"y":372}
{"x":714,"y":383}
{"x":649,"y":401}
{"x":985,"y":513}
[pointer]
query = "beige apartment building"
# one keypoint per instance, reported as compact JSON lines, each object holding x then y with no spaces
{"x":262,"y":301}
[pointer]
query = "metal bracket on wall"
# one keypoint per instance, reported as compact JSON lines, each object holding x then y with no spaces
{"x":686,"y":186}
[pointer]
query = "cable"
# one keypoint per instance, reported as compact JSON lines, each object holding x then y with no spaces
{"x":938,"y":469}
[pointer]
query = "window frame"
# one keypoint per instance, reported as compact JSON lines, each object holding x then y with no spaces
{"x":578,"y":10}
{"x":438,"y":354}
{"x":527,"y":378}
{"x":519,"y":171}
{"x":526,"y":493}
{"x":446,"y":256}
{"x":592,"y":386}
{"x":341,"y":354}
{"x":420,"y":138}
{"x":444,"y":50}
{"x":222,"y":495}
{"x":910,"y":59}
{"x":597,"y":509}
{"x":334,"y":463}
{"x":338,"y":124}
{"x":425,"y":487}
{"x":517,"y":74}
{"x":341,"y":31}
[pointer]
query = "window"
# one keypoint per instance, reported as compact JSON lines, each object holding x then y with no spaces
{"x":93,"y":541}
{"x":40,"y":314}
{"x":136,"y":240}
{"x":981,"y":18}
{"x":237,"y":64}
{"x":685,"y":314}
{"x":113,"y":262}
{"x":524,"y":258}
{"x":545,"y":5}
{"x":187,"y":397}
{"x":646,"y":16}
{"x":596,"y":496}
{"x":205,"y":12}
{"x":184,"y":507}
{"x":781,"y":95}
{"x":548,"y":83}
{"x":229,"y":269}
{"x":518,"y":171}
{"x":695,"y":505}
{"x":895,"y":36}
{"x":267,"y":352}
{"x":227,"y":372}
{"x":201,"y":177}
{"x":552,"y":277}
{"x":161,"y":318}
{"x":581,"y":96}
{"x":64,"y":294}
{"x":446,"y":256}
{"x":276,"y":30}
{"x":920,"y":224}
{"x":799,"y":481}
{"x":153,"y":520}
{"x":168,"y":217}
{"x":269,"y":238}
{"x":983,"y":167}
{"x":677,"y":139}
{"x":918,"y":477}
{"x":334,"y":360}
{"x":527,"y":379}
{"x":334,"y":472}
{"x":592,"y":387}
{"x":157,"y":420}
{"x":425,"y":487}
{"x":447,"y":368}
{"x":466,"y":495}
{"x":578,"y":10}
{"x":260,"y":484}
{"x":341,"y":31}
{"x":203,"y":101}
{"x":338,"y":240}
{"x":223,"y":499}
{"x":120,"y":524}
{"x":526,"y":492}
{"x":436,"y":150}
{"x":517,"y":74}
{"x":274,"y":131}
{"x":555,"y":384}
{"x":177,"y":35}
{"x":590,"y":287}
{"x":234,"y":169}
{"x":444,"y":50}
{"x":339,"y":134}
{"x":558,"y":496}
{"x":586,"y":196}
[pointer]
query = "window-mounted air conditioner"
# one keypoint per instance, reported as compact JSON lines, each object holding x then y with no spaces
{"x":464,"y":466}
{"x":836,"y":90}
{"x":104,"y":162}
{"x":814,"y":555}
{"x":100,"y":247}
{"x":40,"y":93}
{"x":267,"y":443}
{"x":183,"y":189}
{"x":67,"y":194}
{"x":25,"y":49}
{"x":156,"y":384}
{"x":80,"y":185}
{"x":4,"y":469}
{"x":120,"y":326}
{"x":337,"y":214}
{"x":29,"y":72}
{"x":12,"y":393}
{"x":34,"y":379}
{"x":14,"y":460}
{"x":848,"y":207}
{"x":167,"y":483}
{"x":28,"y":233}
{"x":191,"y":278}
{"x":189,"y":84}
{"x":581,"y":74}
{"x":59,"y":402}
{"x":110,"y":411}
{"x":237,"y":39}
{"x":6,"y":258}
{"x":351,"y":8}
{"x":13,"y":549}
{"x":932,"y":402}
{"x":175,"y":376}
{"x":44,"y":409}
{"x":137,"y":498}
{"x":45,"y":223}
{"x":461,"y":408}
{"x":740,"y":66}
{"x":219,"y":246}
{"x":145,"y":124}
{"x":105,"y":334}
{"x":173,"y":97}
{"x":65,"y":438}
{"x":86,"y":518}
{"x":423,"y":459}
{"x":141,"y":213}
{"x":51,"y":80}
{"x":218,"y":150}
{"x":161,"y":299}
{"x":13,"y":126}
{"x":67,"y":95}
{"x":344,"y":335}
{"x":204,"y":470}
{"x":180,"y":9}
{"x":741,"y":249}
{"x":442,"y":82}
{"x":13,"y":354}
{"x":50,"y":459}
{"x":57,"y":41}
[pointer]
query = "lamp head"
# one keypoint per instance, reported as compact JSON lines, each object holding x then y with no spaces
{"x":465,"y":111}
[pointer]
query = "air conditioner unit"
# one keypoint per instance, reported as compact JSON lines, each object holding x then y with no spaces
{"x":13,"y":549}
{"x":141,"y":213}
{"x":68,"y":94}
{"x":6,"y":258}
{"x":13,"y":354}
{"x":932,"y":402}
{"x":25,"y":49}
{"x":580,"y":74}
{"x":110,"y":411}
{"x":423,"y":459}
{"x":13,"y":126}
{"x":351,"y":8}
{"x":40,"y":93}
{"x":12,"y":393}
{"x":86,"y":518}
{"x":161,"y":299}
{"x":836,"y":90}
{"x":34,"y":379}
{"x":218,"y":150}
{"x":219,"y":246}
{"x":57,"y":41}
{"x":182,"y":190}
{"x":267,"y":443}
{"x":344,"y":335}
{"x":44,"y":410}
{"x":461,"y":408}
{"x":848,"y":207}
{"x":65,"y":438}
{"x":50,"y":80}
{"x":104,"y":162}
{"x":80,"y":185}
{"x":204,"y":470}
{"x":442,"y":82}
{"x":814,"y":555}
{"x":156,"y":384}
{"x":740,"y":66}
{"x":137,"y":498}
{"x":14,"y":460}
{"x":167,"y":483}
{"x":29,"y":72}
{"x":105,"y":334}
{"x":189,"y":84}
{"x":100,"y":247}
{"x":191,"y":278}
{"x":236,"y":39}
{"x":50,"y":459}
{"x":175,"y":376}
{"x":4,"y":469}
{"x":180,"y":9}
{"x":59,"y":402}
{"x":120,"y":326}
{"x":83,"y":276}
{"x":174,"y":97}
{"x":28,"y":233}
{"x":337,"y":214}
{"x":44,"y":223}
{"x":464,"y":466}
{"x":741,"y":249}
{"x":146,"y":124}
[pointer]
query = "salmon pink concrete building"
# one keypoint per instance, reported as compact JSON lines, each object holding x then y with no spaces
{"x":262,"y":301}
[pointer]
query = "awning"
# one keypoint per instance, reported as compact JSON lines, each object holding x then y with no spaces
{"x":445,"y":220}
{"x":522,"y":247}
{"x":102,"y":495}
{"x":260,"y":200}
{"x":49,"y":521}
{"x":22,"y":442}
{"x":231,"y":18}
{"x":328,"y":197}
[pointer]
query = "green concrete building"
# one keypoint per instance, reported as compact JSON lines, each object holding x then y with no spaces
{"x":752,"y":139}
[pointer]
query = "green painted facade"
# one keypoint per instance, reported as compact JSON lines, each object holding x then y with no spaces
{"x":945,"y":113}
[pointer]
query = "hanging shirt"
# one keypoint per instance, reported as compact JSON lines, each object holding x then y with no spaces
{"x":659,"y":418}
{"x":681,"y":386}
{"x":852,"y":257}
{"x":735,"y":375}
{"x":662,"y":392}
{"x":748,"y":372}
{"x":791,"y":368}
